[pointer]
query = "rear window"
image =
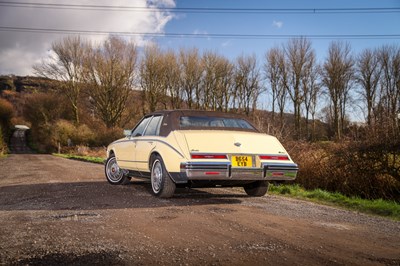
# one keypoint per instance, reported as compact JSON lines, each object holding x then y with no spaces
{"x":214,"y":122}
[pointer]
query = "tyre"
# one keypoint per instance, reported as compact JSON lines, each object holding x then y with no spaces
{"x":161,"y":184}
{"x":257,"y":189}
{"x":114,"y":174}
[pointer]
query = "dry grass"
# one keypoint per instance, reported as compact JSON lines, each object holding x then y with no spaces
{"x":353,"y":169}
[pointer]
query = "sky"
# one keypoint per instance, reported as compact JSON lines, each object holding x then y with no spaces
{"x":20,"y":50}
{"x":193,"y":23}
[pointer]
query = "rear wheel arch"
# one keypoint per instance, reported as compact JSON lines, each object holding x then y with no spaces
{"x":111,"y":153}
{"x":153,"y":155}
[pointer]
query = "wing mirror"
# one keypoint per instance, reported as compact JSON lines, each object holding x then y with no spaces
{"x":127,"y":132}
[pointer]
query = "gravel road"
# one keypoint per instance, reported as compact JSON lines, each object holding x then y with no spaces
{"x":58,"y":211}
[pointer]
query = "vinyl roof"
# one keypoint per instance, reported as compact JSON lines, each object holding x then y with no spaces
{"x":171,"y":119}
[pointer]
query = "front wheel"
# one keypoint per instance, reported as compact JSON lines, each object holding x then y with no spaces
{"x":161,"y":184}
{"x":257,"y":189}
{"x":114,"y":174}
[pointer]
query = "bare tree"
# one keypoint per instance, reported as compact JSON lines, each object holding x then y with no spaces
{"x":389,"y":57}
{"x":225,"y":86}
{"x":338,"y":73}
{"x":368,"y":76}
{"x":216,"y":81}
{"x":275,"y":72}
{"x":207,"y":91}
{"x":190,"y":74}
{"x":300,"y":57}
{"x":110,"y":73}
{"x":66,"y":64}
{"x":171,"y":79}
{"x":152,"y":76}
{"x":247,"y":83}
{"x":311,"y":90}
{"x":312,"y":101}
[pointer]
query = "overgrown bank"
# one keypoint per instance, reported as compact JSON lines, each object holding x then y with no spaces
{"x":366,"y":169}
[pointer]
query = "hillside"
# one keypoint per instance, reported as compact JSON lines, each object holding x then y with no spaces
{"x":26,"y":84}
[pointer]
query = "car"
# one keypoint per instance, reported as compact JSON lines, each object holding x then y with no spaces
{"x":194,"y":149}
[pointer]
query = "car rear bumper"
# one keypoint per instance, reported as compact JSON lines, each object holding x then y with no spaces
{"x":225,"y":171}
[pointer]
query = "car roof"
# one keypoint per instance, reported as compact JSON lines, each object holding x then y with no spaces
{"x":171,"y":120}
{"x":189,"y":112}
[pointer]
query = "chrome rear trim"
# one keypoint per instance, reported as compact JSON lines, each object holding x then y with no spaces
{"x":225,"y":171}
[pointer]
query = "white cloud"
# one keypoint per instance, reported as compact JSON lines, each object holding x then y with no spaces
{"x":277,"y":24}
{"x":20,"y":50}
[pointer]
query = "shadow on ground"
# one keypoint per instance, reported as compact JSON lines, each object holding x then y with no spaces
{"x":101,"y":195}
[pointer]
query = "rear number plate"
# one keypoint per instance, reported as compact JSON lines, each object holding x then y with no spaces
{"x":242,"y":161}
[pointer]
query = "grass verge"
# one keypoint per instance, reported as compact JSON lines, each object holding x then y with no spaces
{"x":379,"y":207}
{"x":90,"y":159}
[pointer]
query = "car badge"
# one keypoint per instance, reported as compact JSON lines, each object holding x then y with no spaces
{"x":238,"y":144}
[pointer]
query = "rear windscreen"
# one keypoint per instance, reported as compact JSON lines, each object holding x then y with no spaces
{"x":214,"y":122}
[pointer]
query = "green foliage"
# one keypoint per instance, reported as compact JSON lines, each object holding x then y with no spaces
{"x":378,"y":206}
{"x":90,"y":159}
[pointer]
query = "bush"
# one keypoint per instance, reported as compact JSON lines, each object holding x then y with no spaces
{"x":6,"y":114}
{"x":3,"y":145}
{"x":43,"y":108}
{"x":103,"y":135}
{"x":66,"y":134}
{"x":63,"y":131}
{"x":83,"y":135}
{"x":363,"y":169}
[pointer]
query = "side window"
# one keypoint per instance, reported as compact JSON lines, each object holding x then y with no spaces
{"x":153,"y":129}
{"x":138,"y":131}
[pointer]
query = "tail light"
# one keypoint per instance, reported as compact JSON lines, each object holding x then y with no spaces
{"x":274,"y":157}
{"x":209,"y":156}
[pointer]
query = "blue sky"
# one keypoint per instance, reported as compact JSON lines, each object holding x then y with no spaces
{"x":20,"y":50}
{"x":285,"y":24}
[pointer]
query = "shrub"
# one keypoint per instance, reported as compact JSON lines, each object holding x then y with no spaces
{"x":3,"y":146}
{"x":363,"y":169}
{"x":103,"y":135}
{"x":43,"y":108}
{"x":6,"y":114}
{"x":83,"y":135}
{"x":67,"y":133}
{"x":63,"y":131}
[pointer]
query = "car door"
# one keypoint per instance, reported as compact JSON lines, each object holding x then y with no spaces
{"x":146,"y":143}
{"x":126,"y":155}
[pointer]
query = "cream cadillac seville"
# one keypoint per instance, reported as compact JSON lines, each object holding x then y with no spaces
{"x":185,"y":148}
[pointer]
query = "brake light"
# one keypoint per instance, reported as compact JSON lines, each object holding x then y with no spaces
{"x":209,"y":156}
{"x":211,"y":173}
{"x":274,"y":157}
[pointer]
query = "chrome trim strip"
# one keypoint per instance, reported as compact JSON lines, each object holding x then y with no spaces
{"x":161,"y":141}
{"x":224,"y":171}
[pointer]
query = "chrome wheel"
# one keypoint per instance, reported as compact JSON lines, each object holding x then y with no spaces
{"x":113,"y":172}
{"x":161,"y":184}
{"x":156,"y":176}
